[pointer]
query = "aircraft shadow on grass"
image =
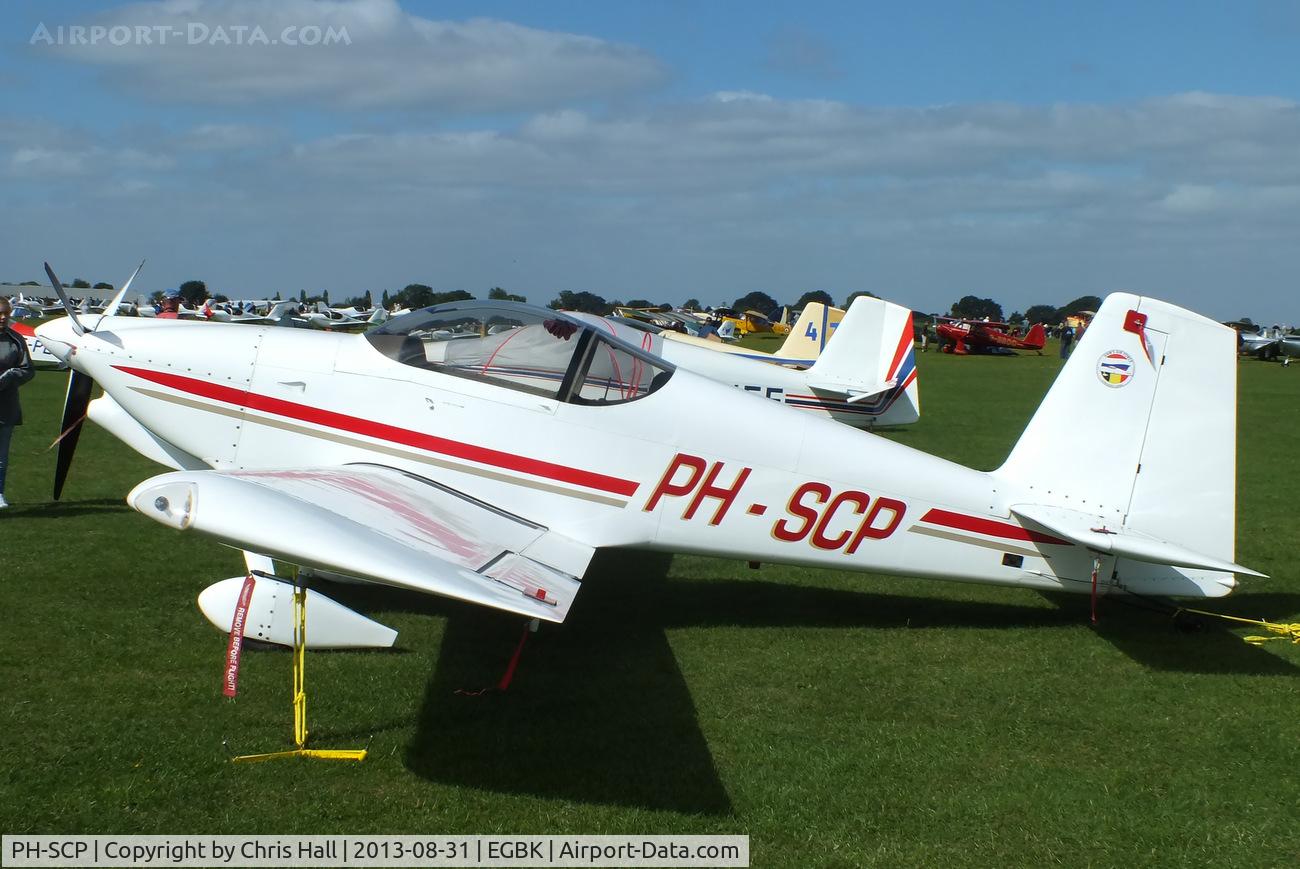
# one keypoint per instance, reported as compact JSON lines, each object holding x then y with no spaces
{"x":1152,"y":637}
{"x":601,"y":712}
{"x":63,"y":509}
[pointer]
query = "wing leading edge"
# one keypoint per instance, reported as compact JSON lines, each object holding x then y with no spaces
{"x":379,"y":524}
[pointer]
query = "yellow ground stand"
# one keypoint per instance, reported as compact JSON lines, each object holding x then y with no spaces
{"x":300,"y":696}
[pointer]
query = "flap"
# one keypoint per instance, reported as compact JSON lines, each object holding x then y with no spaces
{"x":379,"y":524}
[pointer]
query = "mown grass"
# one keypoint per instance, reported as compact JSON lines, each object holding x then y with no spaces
{"x":838,"y":719}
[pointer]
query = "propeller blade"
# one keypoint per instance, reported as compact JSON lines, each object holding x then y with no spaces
{"x":74,"y":414}
{"x":113,"y":305}
{"x":67,"y":304}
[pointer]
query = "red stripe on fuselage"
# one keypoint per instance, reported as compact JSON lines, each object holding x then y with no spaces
{"x":990,"y":527}
{"x":383,"y":431}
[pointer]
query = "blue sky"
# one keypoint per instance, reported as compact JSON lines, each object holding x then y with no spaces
{"x":1028,"y":152}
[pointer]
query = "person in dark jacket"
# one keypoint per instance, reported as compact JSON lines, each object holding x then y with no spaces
{"x":15,"y":370}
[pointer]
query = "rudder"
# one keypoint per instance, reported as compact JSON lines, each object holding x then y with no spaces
{"x":1134,"y":447}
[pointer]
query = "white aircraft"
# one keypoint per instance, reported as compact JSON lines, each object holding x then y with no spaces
{"x":279,"y":313}
{"x":865,"y":377}
{"x":490,"y":464}
{"x":325,"y":317}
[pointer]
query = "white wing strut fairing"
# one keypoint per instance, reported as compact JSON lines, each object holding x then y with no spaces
{"x":378,"y":524}
{"x":270,"y":616}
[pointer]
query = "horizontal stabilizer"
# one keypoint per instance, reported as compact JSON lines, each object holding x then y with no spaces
{"x":377,"y":524}
{"x":871,"y":362}
{"x":852,"y":393}
{"x":1091,"y":531}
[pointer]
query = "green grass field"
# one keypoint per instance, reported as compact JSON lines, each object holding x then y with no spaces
{"x":837,"y":719}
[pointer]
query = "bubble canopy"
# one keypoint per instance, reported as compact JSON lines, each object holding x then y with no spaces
{"x":524,"y":348}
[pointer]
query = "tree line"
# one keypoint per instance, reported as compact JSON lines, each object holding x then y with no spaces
{"x":975,"y":308}
{"x":195,"y":292}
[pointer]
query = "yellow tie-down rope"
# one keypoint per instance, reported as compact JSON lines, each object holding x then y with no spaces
{"x":1286,"y":631}
{"x":300,"y":696}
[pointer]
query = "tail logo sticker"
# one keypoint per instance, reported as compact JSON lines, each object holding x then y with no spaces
{"x":1115,"y":368}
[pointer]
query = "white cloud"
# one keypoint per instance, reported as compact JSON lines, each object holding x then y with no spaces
{"x":40,"y":152}
{"x":1024,"y":203}
{"x":30,"y":162}
{"x":226,"y":137}
{"x":390,"y":59}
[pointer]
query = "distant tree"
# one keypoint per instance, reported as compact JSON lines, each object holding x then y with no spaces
{"x":29,"y":284}
{"x":452,"y":296}
{"x":325,"y":297}
{"x":973,"y":308}
{"x":1083,"y":303}
{"x":384,"y":300}
{"x":502,"y":295}
{"x":302,"y":297}
{"x":277,"y":296}
{"x":1042,"y":314}
{"x":814,"y":296}
{"x":639,"y":303}
{"x":1016,"y":318}
{"x":194,"y":293}
{"x":415,"y":296}
{"x":369,"y":301}
{"x":588,"y":303}
{"x":103,"y":286}
{"x":854,"y":295}
{"x":155,"y":297}
{"x":757,"y":301}
{"x":422,"y":296}
{"x":80,"y":284}
{"x":220,"y":297}
{"x":691,"y":304}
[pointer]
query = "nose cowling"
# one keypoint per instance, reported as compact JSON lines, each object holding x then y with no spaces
{"x":58,"y":337}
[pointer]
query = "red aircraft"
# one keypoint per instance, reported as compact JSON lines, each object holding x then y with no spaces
{"x":981,"y":336}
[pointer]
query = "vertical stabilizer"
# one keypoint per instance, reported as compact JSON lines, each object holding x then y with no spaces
{"x":1137,"y":437}
{"x":810,"y":333}
{"x":872,"y":361}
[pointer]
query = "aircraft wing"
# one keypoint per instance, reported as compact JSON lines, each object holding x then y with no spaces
{"x":378,"y":524}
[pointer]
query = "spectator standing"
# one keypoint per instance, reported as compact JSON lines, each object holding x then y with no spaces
{"x":15,"y":370}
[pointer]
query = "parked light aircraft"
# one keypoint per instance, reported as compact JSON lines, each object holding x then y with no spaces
{"x":485,"y":451}
{"x":815,"y":326}
{"x":865,"y":377}
{"x":277,"y":314}
{"x":749,"y":322}
{"x":325,"y":317}
{"x":981,"y":336}
{"x":1270,"y":343}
